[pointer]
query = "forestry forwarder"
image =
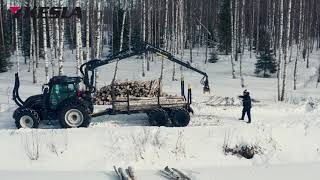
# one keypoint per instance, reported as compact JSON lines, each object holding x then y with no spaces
{"x":63,"y":100}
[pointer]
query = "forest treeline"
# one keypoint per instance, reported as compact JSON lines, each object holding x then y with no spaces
{"x":277,"y":32}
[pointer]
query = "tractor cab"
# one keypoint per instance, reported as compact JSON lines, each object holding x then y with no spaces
{"x":59,"y":89}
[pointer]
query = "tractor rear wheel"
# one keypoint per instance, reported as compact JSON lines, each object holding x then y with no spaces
{"x":73,"y":115}
{"x":180,"y":117}
{"x":158,"y":117}
{"x":26,"y":118}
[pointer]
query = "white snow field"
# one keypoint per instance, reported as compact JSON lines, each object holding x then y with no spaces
{"x":286,"y":133}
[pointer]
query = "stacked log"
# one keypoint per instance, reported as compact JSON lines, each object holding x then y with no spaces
{"x":133,"y":88}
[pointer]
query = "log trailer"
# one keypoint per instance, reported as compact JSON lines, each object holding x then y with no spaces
{"x":62,"y":98}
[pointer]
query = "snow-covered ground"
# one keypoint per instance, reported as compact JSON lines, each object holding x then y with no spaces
{"x":287,"y":132}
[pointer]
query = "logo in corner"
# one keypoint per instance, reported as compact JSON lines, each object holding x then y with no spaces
{"x":14,"y":9}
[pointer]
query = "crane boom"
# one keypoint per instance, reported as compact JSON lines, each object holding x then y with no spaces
{"x":87,"y":69}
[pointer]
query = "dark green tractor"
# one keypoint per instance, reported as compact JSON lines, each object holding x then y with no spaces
{"x":61,"y":99}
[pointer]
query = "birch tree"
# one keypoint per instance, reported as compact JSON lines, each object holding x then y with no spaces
{"x":236,"y":28}
{"x":37,"y":33}
{"x":280,"y":49}
{"x":33,"y":53}
{"x":52,"y":38}
{"x":123,"y":24}
{"x":61,"y":46}
{"x":60,"y":28}
{"x":166,"y":24}
{"x":45,"y":51}
{"x":232,"y":41}
{"x":79,"y":53}
{"x":98,"y":39}
{"x":252,"y":27}
{"x":242,"y":42}
{"x":285,"y":57}
{"x":17,"y":45}
{"x":295,"y":71}
{"x":181,"y":17}
{"x":143,"y":32}
{"x":1,"y":26}
{"x":149,"y":39}
{"x":87,"y":30}
{"x":258,"y":25}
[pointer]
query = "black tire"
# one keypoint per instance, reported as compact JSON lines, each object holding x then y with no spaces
{"x":158,"y":117}
{"x":180,"y":117}
{"x":74,"y":115}
{"x":26,"y":118}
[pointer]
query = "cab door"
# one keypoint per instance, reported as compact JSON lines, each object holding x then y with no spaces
{"x":61,"y":92}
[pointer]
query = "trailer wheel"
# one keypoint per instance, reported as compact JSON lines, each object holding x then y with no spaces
{"x":158,"y":117}
{"x":180,"y":117}
{"x":26,"y":118}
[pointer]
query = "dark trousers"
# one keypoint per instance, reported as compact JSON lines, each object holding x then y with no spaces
{"x":244,"y":111}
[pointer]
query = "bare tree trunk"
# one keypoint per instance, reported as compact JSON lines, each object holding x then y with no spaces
{"x":318,"y":81}
{"x":149,"y":38}
{"x":34,"y":68}
{"x":258,"y":27}
{"x":52,"y":38}
{"x":232,"y":41}
{"x":130,"y":23}
{"x":252,"y":28}
{"x":45,"y":51}
{"x":52,"y":58}
{"x":280,"y":49}
{"x":17,"y":46}
{"x":295,"y":72}
{"x":143,"y":33}
{"x":285,"y":58}
{"x":181,"y":14}
{"x":166,"y":25}
{"x":176,"y":37}
{"x":236,"y":32}
{"x":79,"y":53}
{"x":37,"y":31}
{"x":98,"y":40}
{"x":88,"y":31}
{"x":272,"y":25}
{"x":1,"y":26}
{"x":61,"y":46}
{"x":31,"y":45}
{"x":57,"y":36}
{"x":242,"y":42}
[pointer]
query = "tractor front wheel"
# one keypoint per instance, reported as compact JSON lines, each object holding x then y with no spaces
{"x":26,"y":118}
{"x":74,"y":116}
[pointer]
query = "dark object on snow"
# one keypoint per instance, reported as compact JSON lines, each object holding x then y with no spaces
{"x":246,"y":102}
{"x":246,"y":151}
{"x":173,"y":174}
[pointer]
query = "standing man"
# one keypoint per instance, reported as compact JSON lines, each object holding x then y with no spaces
{"x":246,"y":102}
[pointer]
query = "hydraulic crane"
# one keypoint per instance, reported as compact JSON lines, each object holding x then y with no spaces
{"x":87,"y":69}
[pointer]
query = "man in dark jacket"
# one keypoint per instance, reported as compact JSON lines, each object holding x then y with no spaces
{"x":246,"y":102}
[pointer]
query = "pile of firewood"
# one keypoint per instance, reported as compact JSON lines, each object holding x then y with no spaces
{"x":133,"y":88}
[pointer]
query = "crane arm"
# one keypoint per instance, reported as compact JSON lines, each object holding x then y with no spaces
{"x":87,"y":69}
